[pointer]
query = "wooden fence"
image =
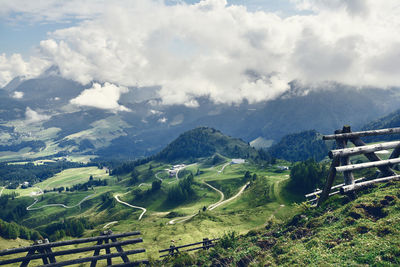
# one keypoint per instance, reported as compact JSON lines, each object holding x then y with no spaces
{"x":43,"y":250}
{"x":341,"y":161}
{"x":173,"y":250}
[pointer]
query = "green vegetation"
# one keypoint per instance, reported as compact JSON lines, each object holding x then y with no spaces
{"x":363,"y":232}
{"x":13,"y":231}
{"x":301,"y":146}
{"x":205,"y":142}
{"x":12,"y":175}
{"x":182,"y":191}
{"x":307,"y":175}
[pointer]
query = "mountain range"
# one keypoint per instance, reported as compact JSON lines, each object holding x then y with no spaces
{"x":42,"y":109}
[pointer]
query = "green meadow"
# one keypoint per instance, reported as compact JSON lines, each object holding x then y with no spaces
{"x":265,"y":197}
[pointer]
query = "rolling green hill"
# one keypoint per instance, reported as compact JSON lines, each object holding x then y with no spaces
{"x":204,"y":142}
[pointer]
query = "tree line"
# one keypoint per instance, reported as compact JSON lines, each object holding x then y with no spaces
{"x":11,"y":175}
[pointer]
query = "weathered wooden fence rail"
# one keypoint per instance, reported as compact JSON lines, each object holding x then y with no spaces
{"x":43,"y":251}
{"x":341,"y":161}
{"x":173,"y":250}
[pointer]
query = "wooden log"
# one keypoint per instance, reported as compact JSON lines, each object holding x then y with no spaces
{"x":97,"y":258}
{"x":329,"y":180}
{"x":119,"y":249}
{"x":33,"y":256}
{"x":66,"y":243}
{"x":191,"y":249}
{"x":135,"y":263}
{"x":361,"y":134}
{"x":385,"y":170}
{"x":333,"y":187}
{"x":353,"y":167}
{"x":352,"y":151}
{"x":342,"y":143}
{"x":188,"y":245}
{"x":350,"y":188}
{"x":330,"y":194}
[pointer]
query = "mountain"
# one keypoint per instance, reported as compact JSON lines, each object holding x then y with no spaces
{"x":40,"y":110}
{"x":204,"y":142}
{"x":391,"y":120}
{"x":301,"y":146}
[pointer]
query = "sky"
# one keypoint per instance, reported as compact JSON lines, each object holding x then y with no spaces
{"x":227,"y":50}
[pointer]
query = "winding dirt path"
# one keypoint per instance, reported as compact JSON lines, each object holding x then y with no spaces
{"x":223,"y":167}
{"x":58,"y":205}
{"x":211,"y":207}
{"x":156,"y":175}
{"x":129,"y":205}
{"x":110,"y":223}
{"x":232,"y":198}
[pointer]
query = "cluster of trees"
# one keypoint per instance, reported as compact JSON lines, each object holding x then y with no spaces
{"x":10,"y":209}
{"x":19,"y":173}
{"x":300,"y":146}
{"x":108,"y":201}
{"x":249,"y":177}
{"x":129,"y":166}
{"x":140,"y":194}
{"x":307,"y":175}
{"x":67,"y":227}
{"x":182,"y":191}
{"x":87,"y":185}
{"x":13,"y":230}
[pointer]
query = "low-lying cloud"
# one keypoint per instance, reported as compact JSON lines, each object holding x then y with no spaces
{"x":102,"y":96}
{"x":223,"y":51}
{"x":32,"y":116}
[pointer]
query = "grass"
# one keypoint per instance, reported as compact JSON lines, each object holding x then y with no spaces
{"x":362,"y":232}
{"x":73,"y":176}
{"x":239,"y":215}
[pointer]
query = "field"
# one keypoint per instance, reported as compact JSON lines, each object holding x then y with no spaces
{"x":163,"y":221}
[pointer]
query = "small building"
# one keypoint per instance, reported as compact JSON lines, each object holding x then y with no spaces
{"x":238,"y":161}
{"x":283,"y":168}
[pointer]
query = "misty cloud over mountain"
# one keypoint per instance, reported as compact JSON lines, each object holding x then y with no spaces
{"x":211,"y":49}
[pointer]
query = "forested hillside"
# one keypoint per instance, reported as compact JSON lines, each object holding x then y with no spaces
{"x":204,"y":142}
{"x":301,"y":146}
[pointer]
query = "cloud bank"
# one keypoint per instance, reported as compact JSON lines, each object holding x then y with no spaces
{"x":102,"y":96}
{"x":223,"y":51}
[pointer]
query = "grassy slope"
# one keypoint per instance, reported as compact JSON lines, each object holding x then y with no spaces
{"x":239,"y":215}
{"x":341,"y":233}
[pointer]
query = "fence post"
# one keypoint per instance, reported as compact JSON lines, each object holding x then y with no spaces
{"x":171,"y":250}
{"x":342,"y":143}
{"x":206,"y":242}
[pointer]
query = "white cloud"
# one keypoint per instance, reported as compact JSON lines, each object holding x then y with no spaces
{"x":221,"y":51}
{"x":18,"y":95}
{"x":101,"y":96}
{"x":32,"y":116}
{"x":14,"y":65}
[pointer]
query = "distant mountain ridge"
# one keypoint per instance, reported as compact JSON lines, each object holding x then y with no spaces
{"x":150,"y":126}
